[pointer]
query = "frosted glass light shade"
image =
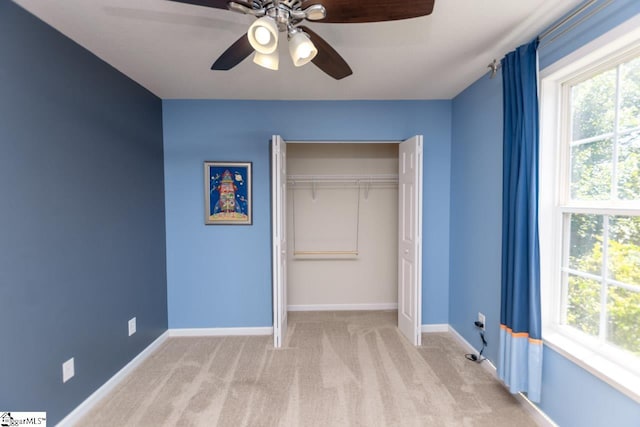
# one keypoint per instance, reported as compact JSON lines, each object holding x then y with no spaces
{"x":301,"y":49}
{"x":267,"y":60}
{"x":263,"y":35}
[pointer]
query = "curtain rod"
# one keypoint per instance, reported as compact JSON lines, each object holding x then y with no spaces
{"x":568,"y":18}
{"x":495,"y":65}
{"x":578,"y":22}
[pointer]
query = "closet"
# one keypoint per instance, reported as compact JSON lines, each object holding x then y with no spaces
{"x":347,"y":229}
{"x":342,"y":224}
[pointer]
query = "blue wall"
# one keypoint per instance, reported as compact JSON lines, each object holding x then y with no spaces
{"x":82,"y":245}
{"x":570,"y":396}
{"x":476,"y":211}
{"x":220,"y":276}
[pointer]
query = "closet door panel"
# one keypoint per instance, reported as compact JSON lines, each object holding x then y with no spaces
{"x":279,"y":238}
{"x":410,"y":239}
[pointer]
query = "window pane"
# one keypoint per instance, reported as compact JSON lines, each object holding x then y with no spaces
{"x":585,"y":247}
{"x":624,"y":249}
{"x":623,"y":325}
{"x":591,"y":170}
{"x":629,"y":166}
{"x":583,"y":304}
{"x":593,"y":105}
{"x":630,"y":94}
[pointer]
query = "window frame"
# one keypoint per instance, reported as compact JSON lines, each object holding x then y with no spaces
{"x":598,"y":357}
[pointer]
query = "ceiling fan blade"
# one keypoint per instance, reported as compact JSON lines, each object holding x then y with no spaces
{"x":327,"y":59}
{"x":234,"y":55}
{"x":216,"y":4}
{"x":352,"y":11}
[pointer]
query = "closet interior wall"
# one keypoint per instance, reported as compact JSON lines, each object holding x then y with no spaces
{"x":326,"y":217}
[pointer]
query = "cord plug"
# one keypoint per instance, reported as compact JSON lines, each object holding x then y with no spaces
{"x":473,"y":357}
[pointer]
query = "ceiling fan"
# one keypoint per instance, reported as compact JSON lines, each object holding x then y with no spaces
{"x":285,"y":16}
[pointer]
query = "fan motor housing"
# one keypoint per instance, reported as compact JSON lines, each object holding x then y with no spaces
{"x":289,"y":4}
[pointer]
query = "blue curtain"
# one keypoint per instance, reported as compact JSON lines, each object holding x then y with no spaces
{"x":520,"y":360}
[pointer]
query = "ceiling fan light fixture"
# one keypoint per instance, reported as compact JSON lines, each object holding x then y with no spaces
{"x":267,"y":60}
{"x":301,"y":49}
{"x":263,"y":35}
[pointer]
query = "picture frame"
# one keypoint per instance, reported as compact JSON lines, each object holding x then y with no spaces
{"x":228,"y":193}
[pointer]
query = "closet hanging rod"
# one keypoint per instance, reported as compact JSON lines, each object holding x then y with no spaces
{"x":325,"y":252}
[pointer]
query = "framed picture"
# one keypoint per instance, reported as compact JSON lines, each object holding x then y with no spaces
{"x":228,"y":198}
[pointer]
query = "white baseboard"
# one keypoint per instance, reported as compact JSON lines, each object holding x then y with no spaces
{"x":343,"y":307}
{"x":435,"y":327}
{"x":83,"y":409}
{"x":218,"y":332}
{"x":538,"y":415}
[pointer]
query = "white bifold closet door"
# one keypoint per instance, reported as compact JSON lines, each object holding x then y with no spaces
{"x":279,"y":238}
{"x":410,"y":239}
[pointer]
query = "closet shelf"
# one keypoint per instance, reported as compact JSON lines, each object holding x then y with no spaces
{"x":342,"y":179}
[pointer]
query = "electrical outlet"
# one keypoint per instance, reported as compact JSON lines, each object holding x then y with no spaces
{"x":482,"y":320}
{"x":132,"y":326}
{"x":68,"y":370}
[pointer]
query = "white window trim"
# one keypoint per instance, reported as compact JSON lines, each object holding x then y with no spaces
{"x":553,"y":168}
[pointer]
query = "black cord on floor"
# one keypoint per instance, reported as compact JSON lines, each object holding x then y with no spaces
{"x":478,"y":358}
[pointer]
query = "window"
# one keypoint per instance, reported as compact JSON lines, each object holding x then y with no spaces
{"x":590,"y":215}
{"x":600,"y":272}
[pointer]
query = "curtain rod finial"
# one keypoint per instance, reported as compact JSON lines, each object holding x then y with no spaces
{"x":494,"y":67}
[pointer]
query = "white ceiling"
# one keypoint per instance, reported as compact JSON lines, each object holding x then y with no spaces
{"x":169,"y":47}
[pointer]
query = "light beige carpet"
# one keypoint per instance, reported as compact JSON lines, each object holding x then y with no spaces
{"x":337,"y":369}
